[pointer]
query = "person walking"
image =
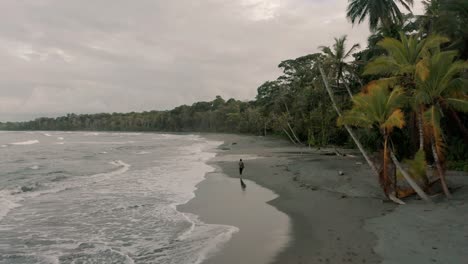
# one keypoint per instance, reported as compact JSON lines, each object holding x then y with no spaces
{"x":241,"y":166}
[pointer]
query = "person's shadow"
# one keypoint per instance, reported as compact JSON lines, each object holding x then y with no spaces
{"x":243,"y":186}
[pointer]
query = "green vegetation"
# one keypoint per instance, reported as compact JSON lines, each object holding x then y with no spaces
{"x":404,"y":95}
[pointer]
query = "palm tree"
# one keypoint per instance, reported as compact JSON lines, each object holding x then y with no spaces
{"x":408,"y":24}
{"x":380,"y":12}
{"x":441,"y":88}
{"x":413,"y":184}
{"x":448,"y":18}
{"x":404,"y":60}
{"x":336,"y":58}
{"x":378,"y":107}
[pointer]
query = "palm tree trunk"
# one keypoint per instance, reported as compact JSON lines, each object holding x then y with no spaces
{"x":440,"y":171}
{"x":420,"y":130}
{"x":410,"y":180}
{"x":419,"y":117}
{"x":289,"y":136}
{"x":294,"y":134}
{"x":350,"y":132}
{"x":385,"y":165}
{"x":347,"y":88}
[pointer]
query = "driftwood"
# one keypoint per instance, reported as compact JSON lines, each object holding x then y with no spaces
{"x":408,"y":178}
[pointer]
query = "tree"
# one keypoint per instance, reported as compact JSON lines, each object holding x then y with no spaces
{"x":405,"y":59}
{"x":379,"y":12}
{"x":441,"y":88}
{"x":378,"y":107}
{"x":448,"y":18}
{"x":336,"y":57}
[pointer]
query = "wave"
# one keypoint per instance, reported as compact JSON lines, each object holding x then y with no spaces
{"x":7,"y":202}
{"x":77,"y":182}
{"x":28,"y":142}
{"x":29,"y":188}
{"x":92,"y":134}
{"x":47,"y":134}
{"x":102,"y":142}
{"x":60,"y":138}
{"x":179,"y":237}
{"x":11,"y":198}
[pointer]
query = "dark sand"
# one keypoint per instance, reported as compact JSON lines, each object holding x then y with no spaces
{"x":220,"y":199}
{"x":333,"y":218}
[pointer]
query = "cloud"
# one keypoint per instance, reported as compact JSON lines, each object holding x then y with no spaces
{"x":115,"y":55}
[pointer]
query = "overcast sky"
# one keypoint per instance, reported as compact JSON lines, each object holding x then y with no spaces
{"x":87,"y":56}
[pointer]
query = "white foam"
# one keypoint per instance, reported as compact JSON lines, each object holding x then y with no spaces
{"x":92,"y":134}
{"x":183,"y":181}
{"x":60,"y":138}
{"x":7,"y":202}
{"x":10,"y":199}
{"x":28,"y":142}
{"x":49,"y":258}
{"x":171,"y":183}
{"x":216,"y":243}
{"x":126,"y":134}
{"x":236,"y":157}
{"x":102,"y":142}
{"x":47,"y":135}
{"x":143,"y":152}
{"x":35,"y":167}
{"x":78,"y":182}
{"x":59,"y":143}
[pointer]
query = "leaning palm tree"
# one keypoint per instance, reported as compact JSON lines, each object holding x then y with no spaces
{"x":441,"y":88}
{"x":403,"y":61}
{"x":378,"y":107}
{"x":380,"y":12}
{"x":412,"y":183}
{"x":336,"y":58}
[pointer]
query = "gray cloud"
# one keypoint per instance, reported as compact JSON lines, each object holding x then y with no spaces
{"x":115,"y":55}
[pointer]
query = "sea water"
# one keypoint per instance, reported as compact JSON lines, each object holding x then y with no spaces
{"x":86,"y":197}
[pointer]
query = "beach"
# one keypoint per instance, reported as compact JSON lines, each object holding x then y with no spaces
{"x":336,"y":212}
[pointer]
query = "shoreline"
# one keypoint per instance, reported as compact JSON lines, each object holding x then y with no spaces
{"x":339,"y":218}
{"x":220,"y":199}
{"x":314,"y":238}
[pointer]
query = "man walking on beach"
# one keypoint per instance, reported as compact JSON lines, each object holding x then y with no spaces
{"x":241,"y":166}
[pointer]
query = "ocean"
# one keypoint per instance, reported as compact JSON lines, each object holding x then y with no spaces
{"x":92,"y":197}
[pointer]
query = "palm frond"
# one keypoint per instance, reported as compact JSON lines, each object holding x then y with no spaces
{"x":354,"y":118}
{"x":458,"y":104}
{"x":395,"y":48}
{"x":396,"y":119}
{"x":352,"y":50}
{"x":381,"y":65}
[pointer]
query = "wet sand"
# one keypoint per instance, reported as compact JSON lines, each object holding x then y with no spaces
{"x":221,"y":199}
{"x":331,"y":218}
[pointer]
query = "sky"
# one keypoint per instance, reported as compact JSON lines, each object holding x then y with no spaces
{"x":88,"y":56}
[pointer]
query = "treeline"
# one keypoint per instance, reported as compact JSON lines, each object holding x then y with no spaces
{"x":295,"y":105}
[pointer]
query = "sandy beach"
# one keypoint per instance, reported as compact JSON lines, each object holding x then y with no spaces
{"x":297,"y":208}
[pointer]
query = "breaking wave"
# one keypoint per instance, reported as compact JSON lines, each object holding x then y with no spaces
{"x":28,"y":142}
